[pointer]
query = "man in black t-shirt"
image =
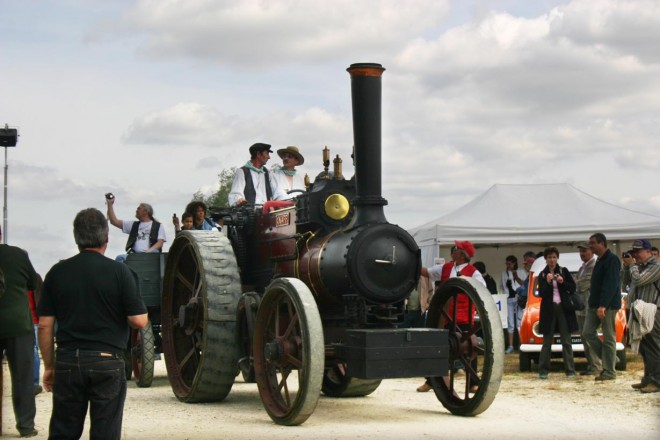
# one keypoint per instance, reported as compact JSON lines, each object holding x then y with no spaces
{"x":94,"y":300}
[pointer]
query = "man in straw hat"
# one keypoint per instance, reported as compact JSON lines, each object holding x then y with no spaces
{"x":286,"y":176}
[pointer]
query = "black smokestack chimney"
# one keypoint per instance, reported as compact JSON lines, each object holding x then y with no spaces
{"x":366,"y":97}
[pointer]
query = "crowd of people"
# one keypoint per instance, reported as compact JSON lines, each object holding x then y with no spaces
{"x":88,"y":303}
{"x":599,"y":281}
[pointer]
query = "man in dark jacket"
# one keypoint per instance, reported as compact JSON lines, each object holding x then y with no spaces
{"x":604,"y":302}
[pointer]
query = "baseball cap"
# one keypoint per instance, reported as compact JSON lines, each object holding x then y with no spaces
{"x":640,"y":244}
{"x":583,"y":245}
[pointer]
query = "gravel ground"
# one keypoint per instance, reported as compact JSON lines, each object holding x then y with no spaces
{"x":524,"y":408}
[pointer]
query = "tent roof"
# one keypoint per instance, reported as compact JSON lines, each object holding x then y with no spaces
{"x":536,"y":213}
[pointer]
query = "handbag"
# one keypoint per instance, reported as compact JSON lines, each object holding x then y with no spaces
{"x":573,"y":302}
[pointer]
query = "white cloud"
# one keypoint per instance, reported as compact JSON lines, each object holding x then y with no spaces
{"x":254,"y":33}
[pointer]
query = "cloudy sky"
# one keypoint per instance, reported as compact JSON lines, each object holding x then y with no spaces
{"x":151,"y":99}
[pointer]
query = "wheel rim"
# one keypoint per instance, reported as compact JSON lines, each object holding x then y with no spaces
{"x":288,"y":372}
{"x":475,"y":341}
{"x":200,"y":292}
{"x":142,"y":355}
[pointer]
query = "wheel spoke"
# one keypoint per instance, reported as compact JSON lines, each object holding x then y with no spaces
{"x":291,"y":327}
{"x":297,"y":363}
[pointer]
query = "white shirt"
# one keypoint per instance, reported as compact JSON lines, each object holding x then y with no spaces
{"x":508,"y":275}
{"x":259,"y":181}
{"x":142,"y":241}
{"x":435,"y":273}
{"x":287,"y":183}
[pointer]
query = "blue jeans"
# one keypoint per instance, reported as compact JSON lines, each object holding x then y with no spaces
{"x":88,"y":377}
{"x":605,"y":349}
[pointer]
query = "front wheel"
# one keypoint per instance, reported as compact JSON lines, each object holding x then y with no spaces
{"x":143,"y":355}
{"x":476,"y":344}
{"x":288,"y":351}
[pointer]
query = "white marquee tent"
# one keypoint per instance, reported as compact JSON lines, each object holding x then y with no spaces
{"x":533,"y":216}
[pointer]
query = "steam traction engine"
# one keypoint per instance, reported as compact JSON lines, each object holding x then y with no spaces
{"x":306,"y":299}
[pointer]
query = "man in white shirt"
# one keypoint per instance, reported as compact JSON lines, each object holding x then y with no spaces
{"x":253,"y":184}
{"x":287,"y":177}
{"x":145,"y":235}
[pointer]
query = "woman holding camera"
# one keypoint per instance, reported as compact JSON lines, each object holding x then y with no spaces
{"x":555,"y":283}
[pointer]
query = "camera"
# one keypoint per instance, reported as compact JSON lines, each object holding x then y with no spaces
{"x":109,"y":196}
{"x":626,"y":255}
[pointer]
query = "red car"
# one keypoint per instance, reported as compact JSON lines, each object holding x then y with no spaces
{"x":531,"y":339}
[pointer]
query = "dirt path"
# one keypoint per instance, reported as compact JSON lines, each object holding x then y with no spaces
{"x":525,"y":408}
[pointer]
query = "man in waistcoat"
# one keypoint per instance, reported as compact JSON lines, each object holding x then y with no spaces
{"x":144,"y":235}
{"x":252,"y":183}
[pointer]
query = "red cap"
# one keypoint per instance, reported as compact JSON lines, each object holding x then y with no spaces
{"x":465,"y":246}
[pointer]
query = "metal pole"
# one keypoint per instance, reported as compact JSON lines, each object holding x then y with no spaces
{"x":4,"y":207}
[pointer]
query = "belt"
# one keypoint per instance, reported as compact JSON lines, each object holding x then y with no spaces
{"x":78,"y":352}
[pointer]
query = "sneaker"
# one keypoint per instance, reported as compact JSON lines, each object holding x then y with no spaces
{"x":509,"y":349}
{"x":650,"y":388}
{"x":637,"y":386}
{"x":32,"y":433}
{"x":604,"y":377}
{"x":589,"y":373}
{"x":570,"y":374}
{"x":543,"y":376}
{"x":37,"y":389}
{"x":424,"y":388}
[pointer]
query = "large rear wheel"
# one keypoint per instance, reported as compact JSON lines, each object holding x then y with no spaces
{"x":201,"y":289}
{"x":476,"y":344}
{"x":288,"y":351}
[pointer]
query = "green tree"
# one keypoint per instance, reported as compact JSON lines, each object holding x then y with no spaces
{"x":220,"y":198}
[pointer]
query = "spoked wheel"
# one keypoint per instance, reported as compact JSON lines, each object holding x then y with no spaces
{"x":337,"y":384}
{"x":288,"y":351}
{"x":201,"y":288}
{"x":246,"y":315}
{"x":143,"y":355}
{"x":476,"y":344}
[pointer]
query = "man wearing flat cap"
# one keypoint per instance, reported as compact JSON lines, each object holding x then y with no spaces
{"x":253,"y":184}
{"x":642,"y":272}
{"x":286,"y":175}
